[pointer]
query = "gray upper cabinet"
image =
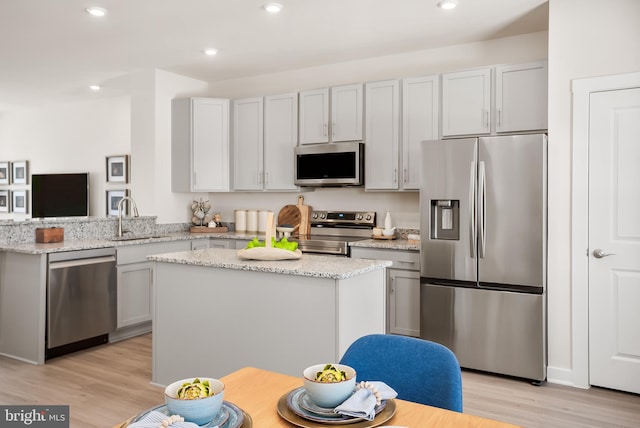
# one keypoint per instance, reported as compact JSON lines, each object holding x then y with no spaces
{"x":248,"y":131}
{"x":466,"y":102}
{"x":346,"y":113}
{"x":473,"y":104}
{"x":200,"y":145}
{"x":265,"y":133}
{"x":420,"y":96}
{"x":383,"y":135}
{"x":342,"y":122}
{"x":280,"y":139}
{"x":521,"y":97}
{"x":314,"y":116}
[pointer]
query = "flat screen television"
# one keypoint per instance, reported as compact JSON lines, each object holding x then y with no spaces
{"x":60,"y":195}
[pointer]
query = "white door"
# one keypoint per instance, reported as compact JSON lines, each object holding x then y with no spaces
{"x":614,"y":239}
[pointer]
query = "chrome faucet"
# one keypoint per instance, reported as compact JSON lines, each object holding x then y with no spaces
{"x":135,"y":213}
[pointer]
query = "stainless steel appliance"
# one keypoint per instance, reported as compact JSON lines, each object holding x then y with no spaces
{"x":81,"y":299}
{"x":483,"y":251}
{"x":331,"y":231}
{"x":330,"y":164}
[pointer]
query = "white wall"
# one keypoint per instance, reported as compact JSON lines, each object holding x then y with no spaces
{"x":586,"y":39}
{"x":152,"y":92}
{"x":69,"y":138}
{"x":524,"y":48}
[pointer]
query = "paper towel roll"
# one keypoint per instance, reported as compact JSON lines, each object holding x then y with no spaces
{"x":252,"y":221}
{"x":241,"y":220}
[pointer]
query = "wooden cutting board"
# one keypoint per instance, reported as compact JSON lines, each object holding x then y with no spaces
{"x":305,"y":217}
{"x":290,"y":214}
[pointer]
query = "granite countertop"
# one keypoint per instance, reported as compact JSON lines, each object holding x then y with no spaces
{"x":308,"y":265}
{"x":86,"y":244}
{"x":388,"y":244}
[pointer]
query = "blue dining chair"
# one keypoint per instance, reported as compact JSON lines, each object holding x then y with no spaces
{"x":418,"y":370}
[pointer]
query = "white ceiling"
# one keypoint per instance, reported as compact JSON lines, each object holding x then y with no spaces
{"x":51,"y":50}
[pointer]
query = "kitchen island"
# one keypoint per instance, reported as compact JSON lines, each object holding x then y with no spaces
{"x":215,"y":313}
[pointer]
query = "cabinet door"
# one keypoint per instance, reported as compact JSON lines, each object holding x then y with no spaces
{"x":135,"y":282}
{"x":382,"y":130}
{"x":248,"y":131}
{"x":210,"y":140}
{"x":404,"y":302}
{"x":346,"y":113}
{"x":280,"y":139}
{"x":521,"y":97}
{"x":200,"y":244}
{"x":466,"y":103}
{"x":314,"y":116}
{"x":221,"y":243}
{"x":420,"y":97}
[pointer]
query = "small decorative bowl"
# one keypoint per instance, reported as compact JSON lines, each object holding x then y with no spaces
{"x":200,"y":411}
{"x":329,"y":394}
{"x":389,"y":232}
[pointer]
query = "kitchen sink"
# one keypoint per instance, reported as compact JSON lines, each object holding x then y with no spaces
{"x":136,"y":237}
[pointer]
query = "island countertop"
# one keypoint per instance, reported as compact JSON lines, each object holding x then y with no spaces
{"x":308,"y":265}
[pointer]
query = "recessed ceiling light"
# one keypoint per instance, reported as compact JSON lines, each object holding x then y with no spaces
{"x":211,"y":51}
{"x":448,"y":4}
{"x":272,"y":7}
{"x":97,"y":11}
{"x":95,"y":87}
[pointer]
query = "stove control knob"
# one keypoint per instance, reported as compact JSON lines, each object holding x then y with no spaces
{"x":323,"y":216}
{"x":359,"y":217}
{"x":368,"y":217}
{"x":314,"y":216}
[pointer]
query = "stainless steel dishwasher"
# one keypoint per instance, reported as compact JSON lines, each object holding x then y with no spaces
{"x":81,"y":299}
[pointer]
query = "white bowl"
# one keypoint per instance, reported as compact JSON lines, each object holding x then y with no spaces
{"x":329,"y":394}
{"x":389,"y":232}
{"x":200,"y":411}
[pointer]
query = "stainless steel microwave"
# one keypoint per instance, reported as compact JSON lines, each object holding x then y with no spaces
{"x":330,"y":164}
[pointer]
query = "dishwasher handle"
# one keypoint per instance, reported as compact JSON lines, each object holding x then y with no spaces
{"x":81,"y":262}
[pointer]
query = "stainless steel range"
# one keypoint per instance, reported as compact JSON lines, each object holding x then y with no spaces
{"x":331,"y":231}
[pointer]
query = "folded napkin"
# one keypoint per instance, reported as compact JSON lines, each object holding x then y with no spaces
{"x":154,"y":419}
{"x":362,"y":403}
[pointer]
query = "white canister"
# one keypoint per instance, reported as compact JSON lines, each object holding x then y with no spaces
{"x":262,"y":220}
{"x":252,"y":221}
{"x":241,"y":220}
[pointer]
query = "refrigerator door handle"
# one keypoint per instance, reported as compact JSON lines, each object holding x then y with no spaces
{"x":473,"y":237}
{"x":482,"y":182}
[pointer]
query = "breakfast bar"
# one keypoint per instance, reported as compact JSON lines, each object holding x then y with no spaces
{"x":215,"y":313}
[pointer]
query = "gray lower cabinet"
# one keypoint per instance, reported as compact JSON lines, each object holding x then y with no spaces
{"x":403,"y":288}
{"x":135,"y":286}
{"x":200,"y":244}
{"x":221,"y":243}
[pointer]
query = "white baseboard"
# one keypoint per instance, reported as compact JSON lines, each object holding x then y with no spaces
{"x":129,"y":332}
{"x":561,"y":376}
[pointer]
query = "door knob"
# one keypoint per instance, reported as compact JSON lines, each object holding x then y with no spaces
{"x":598,"y":253}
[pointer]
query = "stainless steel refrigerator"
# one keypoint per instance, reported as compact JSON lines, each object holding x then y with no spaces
{"x":483,"y":223}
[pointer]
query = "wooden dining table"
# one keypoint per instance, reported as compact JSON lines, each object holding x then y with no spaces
{"x":257,"y":392}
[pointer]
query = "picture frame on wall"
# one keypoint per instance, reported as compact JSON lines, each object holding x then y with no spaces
{"x":5,"y":201}
{"x":20,"y":201}
{"x":5,"y":172}
{"x":20,"y":172}
{"x":113,"y":198}
{"x":118,"y":169}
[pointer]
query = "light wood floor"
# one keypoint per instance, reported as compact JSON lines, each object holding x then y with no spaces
{"x":110,"y":383}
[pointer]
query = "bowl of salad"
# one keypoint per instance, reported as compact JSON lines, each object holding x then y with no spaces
{"x":329,"y":385}
{"x":197,"y":400}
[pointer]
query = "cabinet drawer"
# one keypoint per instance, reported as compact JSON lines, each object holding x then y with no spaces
{"x":139,"y":253}
{"x":402,"y":259}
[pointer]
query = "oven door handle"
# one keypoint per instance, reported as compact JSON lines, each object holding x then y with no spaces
{"x":324,"y":251}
